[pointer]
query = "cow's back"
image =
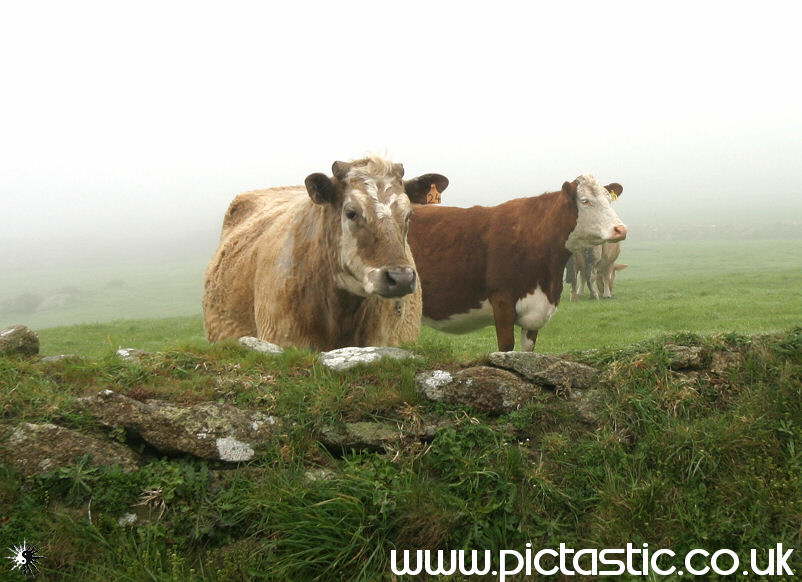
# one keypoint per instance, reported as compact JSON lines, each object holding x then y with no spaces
{"x":255,"y":227}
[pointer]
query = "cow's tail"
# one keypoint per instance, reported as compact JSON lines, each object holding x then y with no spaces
{"x":570,"y":271}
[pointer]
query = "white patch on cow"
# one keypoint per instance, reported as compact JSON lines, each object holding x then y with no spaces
{"x":534,"y":310}
{"x":471,"y":320}
{"x":234,"y":451}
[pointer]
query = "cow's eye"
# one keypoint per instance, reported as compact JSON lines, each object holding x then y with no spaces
{"x":351,"y":214}
{"x":586,"y":202}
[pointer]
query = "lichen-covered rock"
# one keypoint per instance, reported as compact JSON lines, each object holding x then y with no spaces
{"x":588,"y":404}
{"x":546,"y":369}
{"x":684,"y":357}
{"x":39,"y":448}
{"x":378,"y":436}
{"x":346,"y":358}
{"x":260,"y":346}
{"x":209,"y":430}
{"x":130,"y":354}
{"x":431,"y":383}
{"x":18,"y":339}
{"x":722,"y":362}
{"x":487,"y":389}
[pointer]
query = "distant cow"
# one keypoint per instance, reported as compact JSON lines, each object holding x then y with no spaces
{"x":606,"y":267}
{"x":594,"y":268}
{"x":322,"y":266}
{"x":505,"y":263}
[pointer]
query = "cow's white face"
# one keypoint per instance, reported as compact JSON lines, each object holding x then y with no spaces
{"x":372,"y":205}
{"x":596,"y":221}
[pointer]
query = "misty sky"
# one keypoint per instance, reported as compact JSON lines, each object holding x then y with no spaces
{"x":144,"y":118}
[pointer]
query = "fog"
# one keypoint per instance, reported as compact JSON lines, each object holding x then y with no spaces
{"x":127,"y":128}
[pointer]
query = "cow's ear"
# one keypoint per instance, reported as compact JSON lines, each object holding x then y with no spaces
{"x":426,"y":189}
{"x":321,"y":188}
{"x":569,"y":189}
{"x":615,"y":189}
{"x":340,"y":170}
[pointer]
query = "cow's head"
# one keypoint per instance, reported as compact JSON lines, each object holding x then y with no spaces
{"x":596,"y":221}
{"x":372,"y":203}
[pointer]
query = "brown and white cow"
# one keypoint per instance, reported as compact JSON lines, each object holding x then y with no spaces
{"x":322,"y":266}
{"x":505,"y":263}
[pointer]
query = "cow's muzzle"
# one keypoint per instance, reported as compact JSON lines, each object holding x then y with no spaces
{"x":619,"y":233}
{"x":394,"y":281}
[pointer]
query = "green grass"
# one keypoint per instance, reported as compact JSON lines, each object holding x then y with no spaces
{"x":700,"y":286}
{"x":708,"y":460}
{"x":712,"y":460}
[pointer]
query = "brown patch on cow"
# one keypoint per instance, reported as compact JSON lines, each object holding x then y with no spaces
{"x":465,"y":255}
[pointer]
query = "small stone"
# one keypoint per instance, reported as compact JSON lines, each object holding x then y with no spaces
{"x":546,"y":369}
{"x":51,"y":359}
{"x":18,"y":339}
{"x":127,"y":519}
{"x":346,"y":358}
{"x":378,"y":436}
{"x":319,"y":475}
{"x":684,"y":357}
{"x":260,"y":346}
{"x":487,"y":389}
{"x":130,"y":354}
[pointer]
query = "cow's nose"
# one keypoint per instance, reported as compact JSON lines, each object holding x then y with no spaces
{"x":398,"y":281}
{"x":620,"y":232}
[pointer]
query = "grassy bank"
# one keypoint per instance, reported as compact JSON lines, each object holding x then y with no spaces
{"x":706,"y":459}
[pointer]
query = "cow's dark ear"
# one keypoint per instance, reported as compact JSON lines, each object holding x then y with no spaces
{"x":569,"y":189}
{"x":340,"y":170}
{"x":615,"y":189}
{"x":321,"y":188}
{"x":426,"y":189}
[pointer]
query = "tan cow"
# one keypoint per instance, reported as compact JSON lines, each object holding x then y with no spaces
{"x":322,"y":266}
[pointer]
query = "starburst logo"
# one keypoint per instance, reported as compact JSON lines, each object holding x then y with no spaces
{"x":24,"y":558}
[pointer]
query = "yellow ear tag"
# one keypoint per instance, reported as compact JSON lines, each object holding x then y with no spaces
{"x":433,"y":196}
{"x":613,"y":195}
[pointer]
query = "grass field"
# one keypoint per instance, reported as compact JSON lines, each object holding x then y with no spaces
{"x":699,"y":286}
{"x":704,"y":458}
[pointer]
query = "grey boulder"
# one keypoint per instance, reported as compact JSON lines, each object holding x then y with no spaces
{"x":208,"y":430}
{"x":547,"y":370}
{"x":18,"y":339}
{"x":39,"y":448}
{"x":484,"y":388}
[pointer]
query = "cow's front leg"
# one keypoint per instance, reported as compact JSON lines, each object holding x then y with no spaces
{"x":504,"y":318}
{"x":528,"y":339}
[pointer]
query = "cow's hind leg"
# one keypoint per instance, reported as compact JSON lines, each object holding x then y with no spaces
{"x":607,"y":283}
{"x":504,"y":318}
{"x":528,"y":339}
